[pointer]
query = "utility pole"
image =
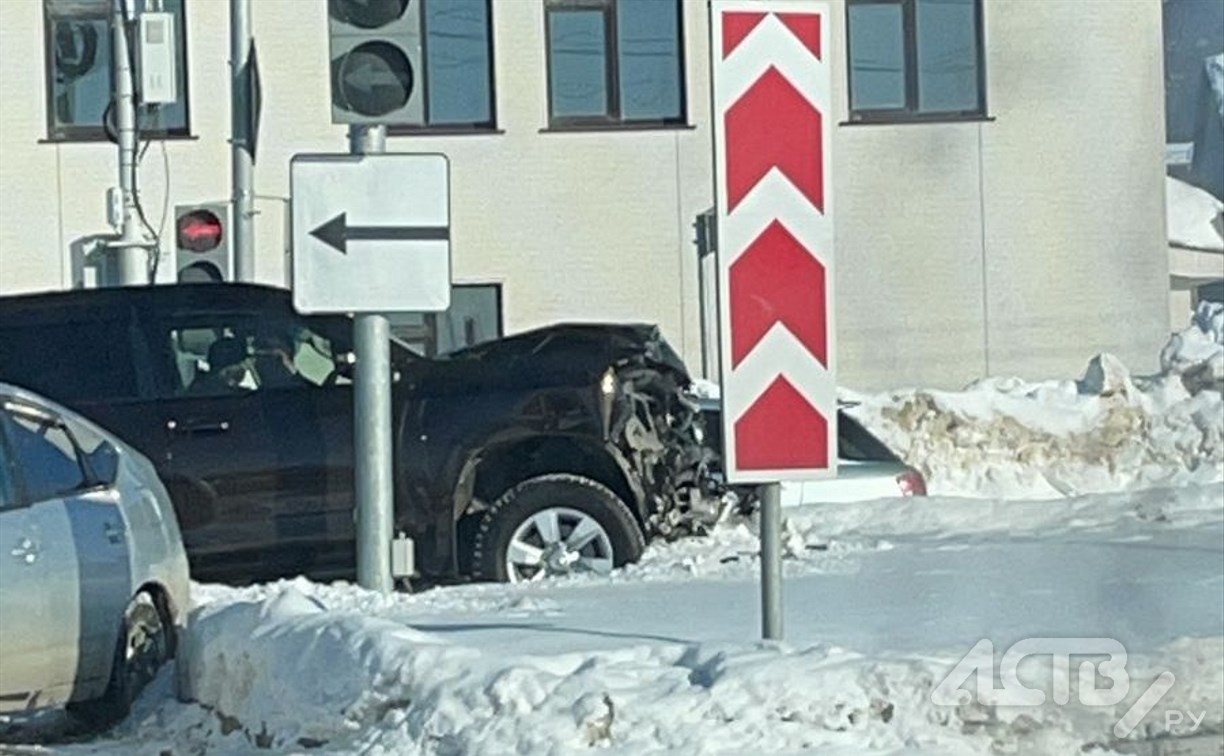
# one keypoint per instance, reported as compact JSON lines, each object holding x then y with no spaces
{"x":242,"y":157}
{"x":372,"y":420}
{"x":132,"y":247}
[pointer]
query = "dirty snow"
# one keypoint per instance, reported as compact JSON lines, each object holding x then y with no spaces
{"x":1106,"y":431}
{"x":1193,"y":217}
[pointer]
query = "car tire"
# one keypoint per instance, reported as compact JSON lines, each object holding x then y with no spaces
{"x":144,"y":645}
{"x":572,"y":524}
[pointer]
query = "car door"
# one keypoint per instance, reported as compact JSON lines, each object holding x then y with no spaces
{"x":296,"y":362}
{"x":220,"y":458}
{"x":253,"y":460}
{"x":75,"y":538}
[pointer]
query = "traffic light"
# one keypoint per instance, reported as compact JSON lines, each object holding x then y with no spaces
{"x":201,"y":241}
{"x":376,"y":73}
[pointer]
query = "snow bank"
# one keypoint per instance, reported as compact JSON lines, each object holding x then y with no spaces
{"x":1197,"y":352}
{"x":1108,"y":431}
{"x":1005,"y":437}
{"x":290,"y":672}
{"x":286,"y":671}
{"x":1193,"y":216}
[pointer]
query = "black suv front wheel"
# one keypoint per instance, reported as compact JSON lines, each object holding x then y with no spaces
{"x":553,"y":525}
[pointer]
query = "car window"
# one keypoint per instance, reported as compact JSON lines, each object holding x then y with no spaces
{"x":211,"y":360}
{"x":237,"y":355}
{"x":45,"y":456}
{"x":100,"y":456}
{"x":855,"y":443}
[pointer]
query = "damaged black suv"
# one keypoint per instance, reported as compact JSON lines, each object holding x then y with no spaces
{"x":553,"y":451}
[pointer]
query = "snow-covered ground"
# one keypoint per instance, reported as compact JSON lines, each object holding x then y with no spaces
{"x":1073,"y":509}
{"x":882,"y":599}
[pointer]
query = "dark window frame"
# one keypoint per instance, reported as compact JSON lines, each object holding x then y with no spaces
{"x":10,"y":485}
{"x":454,"y":129}
{"x":911,"y":112}
{"x":98,"y":133}
{"x":612,"y":120}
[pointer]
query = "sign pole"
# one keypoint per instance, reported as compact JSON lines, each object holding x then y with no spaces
{"x":372,"y":422}
{"x":771,"y":561}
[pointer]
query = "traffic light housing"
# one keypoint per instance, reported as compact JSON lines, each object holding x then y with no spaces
{"x":376,"y":71}
{"x":201,"y":243}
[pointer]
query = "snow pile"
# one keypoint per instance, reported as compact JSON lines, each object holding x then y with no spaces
{"x":289,"y":665}
{"x":288,"y":671}
{"x":1197,"y":352}
{"x":1193,"y":217}
{"x":1109,"y":431}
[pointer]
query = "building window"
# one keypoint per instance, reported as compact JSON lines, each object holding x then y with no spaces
{"x":458,"y":61}
{"x":474,"y":316}
{"x":914,"y":60}
{"x":78,"y":71}
{"x":615,"y":63}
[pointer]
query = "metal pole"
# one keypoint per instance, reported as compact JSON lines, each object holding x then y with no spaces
{"x":242,"y":163}
{"x":771,"y":561}
{"x":131,"y":246}
{"x":372,"y":422}
{"x":701,"y":316}
{"x":367,"y":140}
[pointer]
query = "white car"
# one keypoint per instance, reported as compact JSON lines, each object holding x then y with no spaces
{"x":93,"y":575}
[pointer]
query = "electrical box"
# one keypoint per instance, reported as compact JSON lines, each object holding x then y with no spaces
{"x":403,"y":557}
{"x":158,"y":59}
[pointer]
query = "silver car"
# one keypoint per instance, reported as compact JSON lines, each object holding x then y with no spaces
{"x":93,"y":576}
{"x":866,"y":468}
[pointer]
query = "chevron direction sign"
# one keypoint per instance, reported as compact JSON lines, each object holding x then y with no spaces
{"x":772,"y":114}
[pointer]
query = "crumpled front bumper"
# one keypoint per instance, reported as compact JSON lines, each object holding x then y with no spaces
{"x":659,"y":429}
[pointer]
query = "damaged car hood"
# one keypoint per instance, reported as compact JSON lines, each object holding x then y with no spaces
{"x":574,"y":352}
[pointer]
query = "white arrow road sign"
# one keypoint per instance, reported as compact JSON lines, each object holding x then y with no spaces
{"x":371,"y":233}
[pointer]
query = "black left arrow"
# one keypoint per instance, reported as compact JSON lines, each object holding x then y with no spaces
{"x":337,"y":233}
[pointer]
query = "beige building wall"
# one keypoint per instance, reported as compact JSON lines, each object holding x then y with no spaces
{"x":1022,"y":244}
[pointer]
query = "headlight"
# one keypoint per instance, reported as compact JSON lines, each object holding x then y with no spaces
{"x":607,"y":384}
{"x":607,"y":398}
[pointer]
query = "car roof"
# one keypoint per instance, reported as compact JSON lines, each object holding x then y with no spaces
{"x":218,"y":296}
